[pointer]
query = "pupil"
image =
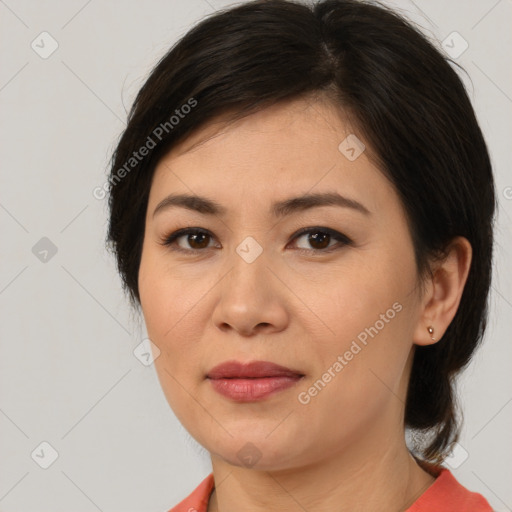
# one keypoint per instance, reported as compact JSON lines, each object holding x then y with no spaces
{"x":323,"y":237}
{"x":193,"y":240}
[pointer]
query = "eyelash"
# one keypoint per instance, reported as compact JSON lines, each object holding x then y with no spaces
{"x":169,"y":240}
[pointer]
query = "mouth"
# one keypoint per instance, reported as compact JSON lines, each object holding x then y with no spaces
{"x":250,"y":382}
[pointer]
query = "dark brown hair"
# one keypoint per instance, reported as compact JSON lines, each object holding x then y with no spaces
{"x":407,"y":102}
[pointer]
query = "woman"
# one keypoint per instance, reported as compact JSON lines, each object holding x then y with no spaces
{"x":302,"y":205}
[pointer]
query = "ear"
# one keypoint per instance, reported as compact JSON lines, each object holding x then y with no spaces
{"x":443,"y":293}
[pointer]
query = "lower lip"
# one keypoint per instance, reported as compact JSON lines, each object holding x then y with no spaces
{"x":251,"y":390}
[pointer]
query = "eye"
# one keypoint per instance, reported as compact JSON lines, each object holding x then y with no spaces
{"x":319,"y":238}
{"x":197,"y":239}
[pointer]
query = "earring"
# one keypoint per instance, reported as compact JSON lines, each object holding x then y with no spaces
{"x":430,"y":330}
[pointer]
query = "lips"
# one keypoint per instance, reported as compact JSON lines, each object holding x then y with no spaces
{"x":251,"y":382}
{"x":253,"y":370}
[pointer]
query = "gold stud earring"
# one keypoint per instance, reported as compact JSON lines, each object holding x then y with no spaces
{"x":430,"y":330}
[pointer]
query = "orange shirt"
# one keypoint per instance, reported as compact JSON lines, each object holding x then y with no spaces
{"x":444,"y":495}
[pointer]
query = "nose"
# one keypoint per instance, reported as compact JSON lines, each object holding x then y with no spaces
{"x":251,"y":299}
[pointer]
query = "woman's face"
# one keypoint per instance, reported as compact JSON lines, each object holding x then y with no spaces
{"x":341,"y":313}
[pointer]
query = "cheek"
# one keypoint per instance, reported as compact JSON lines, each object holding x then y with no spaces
{"x":168,"y":311}
{"x":161,"y":307}
{"x":165,"y":297}
{"x":359,"y":374}
{"x":362,"y":302}
{"x":370,"y":314}
{"x":173,"y":308}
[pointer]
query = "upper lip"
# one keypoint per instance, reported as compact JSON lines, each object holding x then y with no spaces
{"x":253,"y":369}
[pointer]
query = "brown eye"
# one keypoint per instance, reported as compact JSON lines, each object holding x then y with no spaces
{"x":197,"y":240}
{"x":319,"y":239}
{"x":188,"y":240}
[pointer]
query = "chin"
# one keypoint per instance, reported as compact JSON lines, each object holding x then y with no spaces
{"x":259,"y":452}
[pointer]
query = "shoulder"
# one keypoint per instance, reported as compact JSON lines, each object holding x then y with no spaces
{"x":197,"y":500}
{"x":447,"y":494}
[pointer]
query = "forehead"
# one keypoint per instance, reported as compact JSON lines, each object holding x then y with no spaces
{"x":289,"y":149}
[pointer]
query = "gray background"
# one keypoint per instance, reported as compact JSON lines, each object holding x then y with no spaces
{"x":68,"y":375}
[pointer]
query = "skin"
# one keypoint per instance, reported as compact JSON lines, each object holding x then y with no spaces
{"x":345,"y":449}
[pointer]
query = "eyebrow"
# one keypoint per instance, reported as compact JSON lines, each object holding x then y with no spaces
{"x":283,"y":208}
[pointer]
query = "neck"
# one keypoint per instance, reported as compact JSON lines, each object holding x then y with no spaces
{"x":384,"y":477}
